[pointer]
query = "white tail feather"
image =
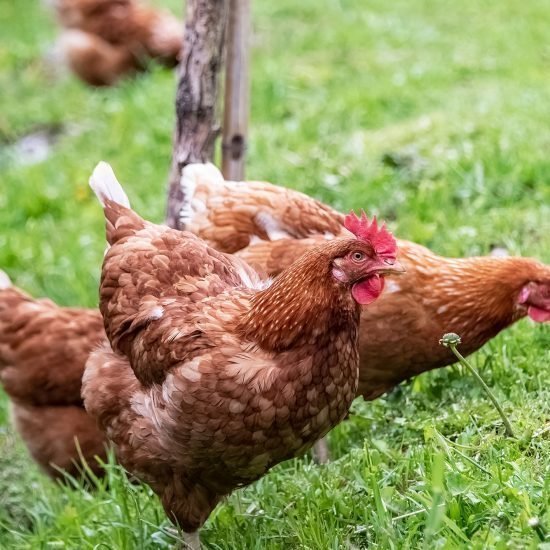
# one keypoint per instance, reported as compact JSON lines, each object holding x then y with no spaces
{"x":207,"y":171}
{"x":105,"y":185}
{"x":190,"y":175}
{"x":5,"y":281}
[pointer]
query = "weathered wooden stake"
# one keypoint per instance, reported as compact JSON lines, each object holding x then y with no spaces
{"x":196,"y":126}
{"x":235,"y":120}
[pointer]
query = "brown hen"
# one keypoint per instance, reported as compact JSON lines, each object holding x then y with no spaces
{"x":104,"y":40}
{"x":270,"y":227}
{"x":214,"y":376}
{"x":43,"y":351}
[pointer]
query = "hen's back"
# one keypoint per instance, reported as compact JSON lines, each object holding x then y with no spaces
{"x":44,"y":347}
{"x":231,"y":215}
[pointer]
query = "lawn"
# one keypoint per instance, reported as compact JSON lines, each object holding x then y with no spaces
{"x":433,"y":114}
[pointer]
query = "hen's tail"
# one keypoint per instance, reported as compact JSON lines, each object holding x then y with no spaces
{"x":207,"y":176}
{"x":5,"y":281}
{"x":11,"y":299}
{"x":105,"y":185}
{"x":120,"y":220}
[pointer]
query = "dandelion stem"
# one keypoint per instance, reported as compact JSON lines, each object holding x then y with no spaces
{"x":451,"y":341}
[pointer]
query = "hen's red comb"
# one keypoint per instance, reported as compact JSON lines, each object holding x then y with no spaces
{"x":381,"y":239}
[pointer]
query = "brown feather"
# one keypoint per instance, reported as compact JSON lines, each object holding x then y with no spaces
{"x":238,"y":212}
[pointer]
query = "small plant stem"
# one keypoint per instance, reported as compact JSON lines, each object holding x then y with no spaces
{"x":535,"y":524}
{"x":464,"y":362}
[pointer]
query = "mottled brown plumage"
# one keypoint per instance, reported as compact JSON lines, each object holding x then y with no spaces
{"x":43,"y":351}
{"x":399,"y":334}
{"x":104,"y":40}
{"x":213,"y":378}
{"x":232,"y":215}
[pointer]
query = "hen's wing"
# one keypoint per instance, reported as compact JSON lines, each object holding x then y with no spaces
{"x":153,"y":279}
{"x":231,"y":215}
{"x":151,"y":286}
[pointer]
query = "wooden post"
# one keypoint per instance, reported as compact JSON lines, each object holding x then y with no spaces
{"x":235,"y":120}
{"x":201,"y":61}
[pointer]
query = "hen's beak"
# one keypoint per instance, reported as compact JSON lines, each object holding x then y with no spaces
{"x":387,"y":267}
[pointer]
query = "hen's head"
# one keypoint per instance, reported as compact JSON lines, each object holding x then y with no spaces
{"x":312,"y":296}
{"x":534,"y":297}
{"x":362,"y":263}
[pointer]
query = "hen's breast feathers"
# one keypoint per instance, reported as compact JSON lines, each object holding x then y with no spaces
{"x":249,"y":404}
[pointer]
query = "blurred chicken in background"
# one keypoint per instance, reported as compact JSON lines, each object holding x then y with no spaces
{"x":103,"y":41}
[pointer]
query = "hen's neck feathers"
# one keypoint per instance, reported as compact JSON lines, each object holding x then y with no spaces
{"x":465,"y":290}
{"x":302,"y":303}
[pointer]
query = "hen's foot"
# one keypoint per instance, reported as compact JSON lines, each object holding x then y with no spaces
{"x":321,"y":452}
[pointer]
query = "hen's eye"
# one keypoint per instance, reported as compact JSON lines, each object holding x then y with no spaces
{"x":358,"y":256}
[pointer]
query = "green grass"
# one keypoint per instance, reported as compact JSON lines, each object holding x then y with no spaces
{"x":433,"y":114}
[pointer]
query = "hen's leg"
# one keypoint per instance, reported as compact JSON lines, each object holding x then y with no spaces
{"x":191,"y":541}
{"x":321,"y":452}
{"x":188,"y":506}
